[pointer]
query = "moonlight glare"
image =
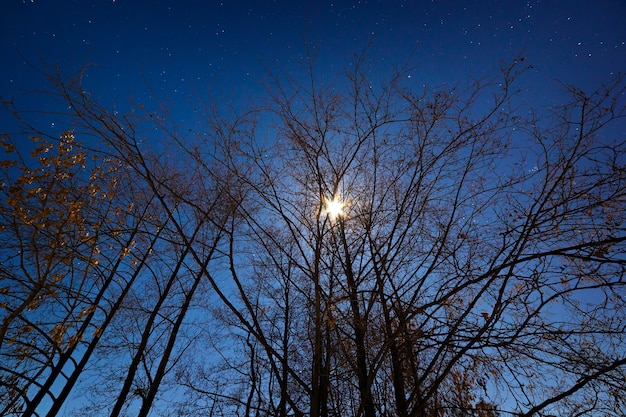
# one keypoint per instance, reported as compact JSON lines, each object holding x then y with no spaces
{"x":334,"y":208}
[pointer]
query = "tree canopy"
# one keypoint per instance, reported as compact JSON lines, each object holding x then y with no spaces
{"x":381,"y":251}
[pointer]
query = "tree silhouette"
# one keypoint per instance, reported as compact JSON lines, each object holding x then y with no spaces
{"x":383,"y":251}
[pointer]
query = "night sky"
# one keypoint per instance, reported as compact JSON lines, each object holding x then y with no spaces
{"x":182,"y":52}
{"x":176,"y":51}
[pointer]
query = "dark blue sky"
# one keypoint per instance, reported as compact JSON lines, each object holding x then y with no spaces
{"x":179,"y":48}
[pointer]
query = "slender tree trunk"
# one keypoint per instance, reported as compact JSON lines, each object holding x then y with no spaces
{"x":319,"y":373}
{"x":284,"y":386}
{"x":358,"y":322}
{"x":145,"y":337}
{"x":158,"y":377}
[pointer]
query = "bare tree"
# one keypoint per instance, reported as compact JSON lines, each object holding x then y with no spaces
{"x":375,"y":251}
{"x":64,"y":236}
{"x":447,"y":252}
{"x":118,"y":237}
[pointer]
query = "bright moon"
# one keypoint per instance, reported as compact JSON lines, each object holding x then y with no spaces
{"x":334,"y":208}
